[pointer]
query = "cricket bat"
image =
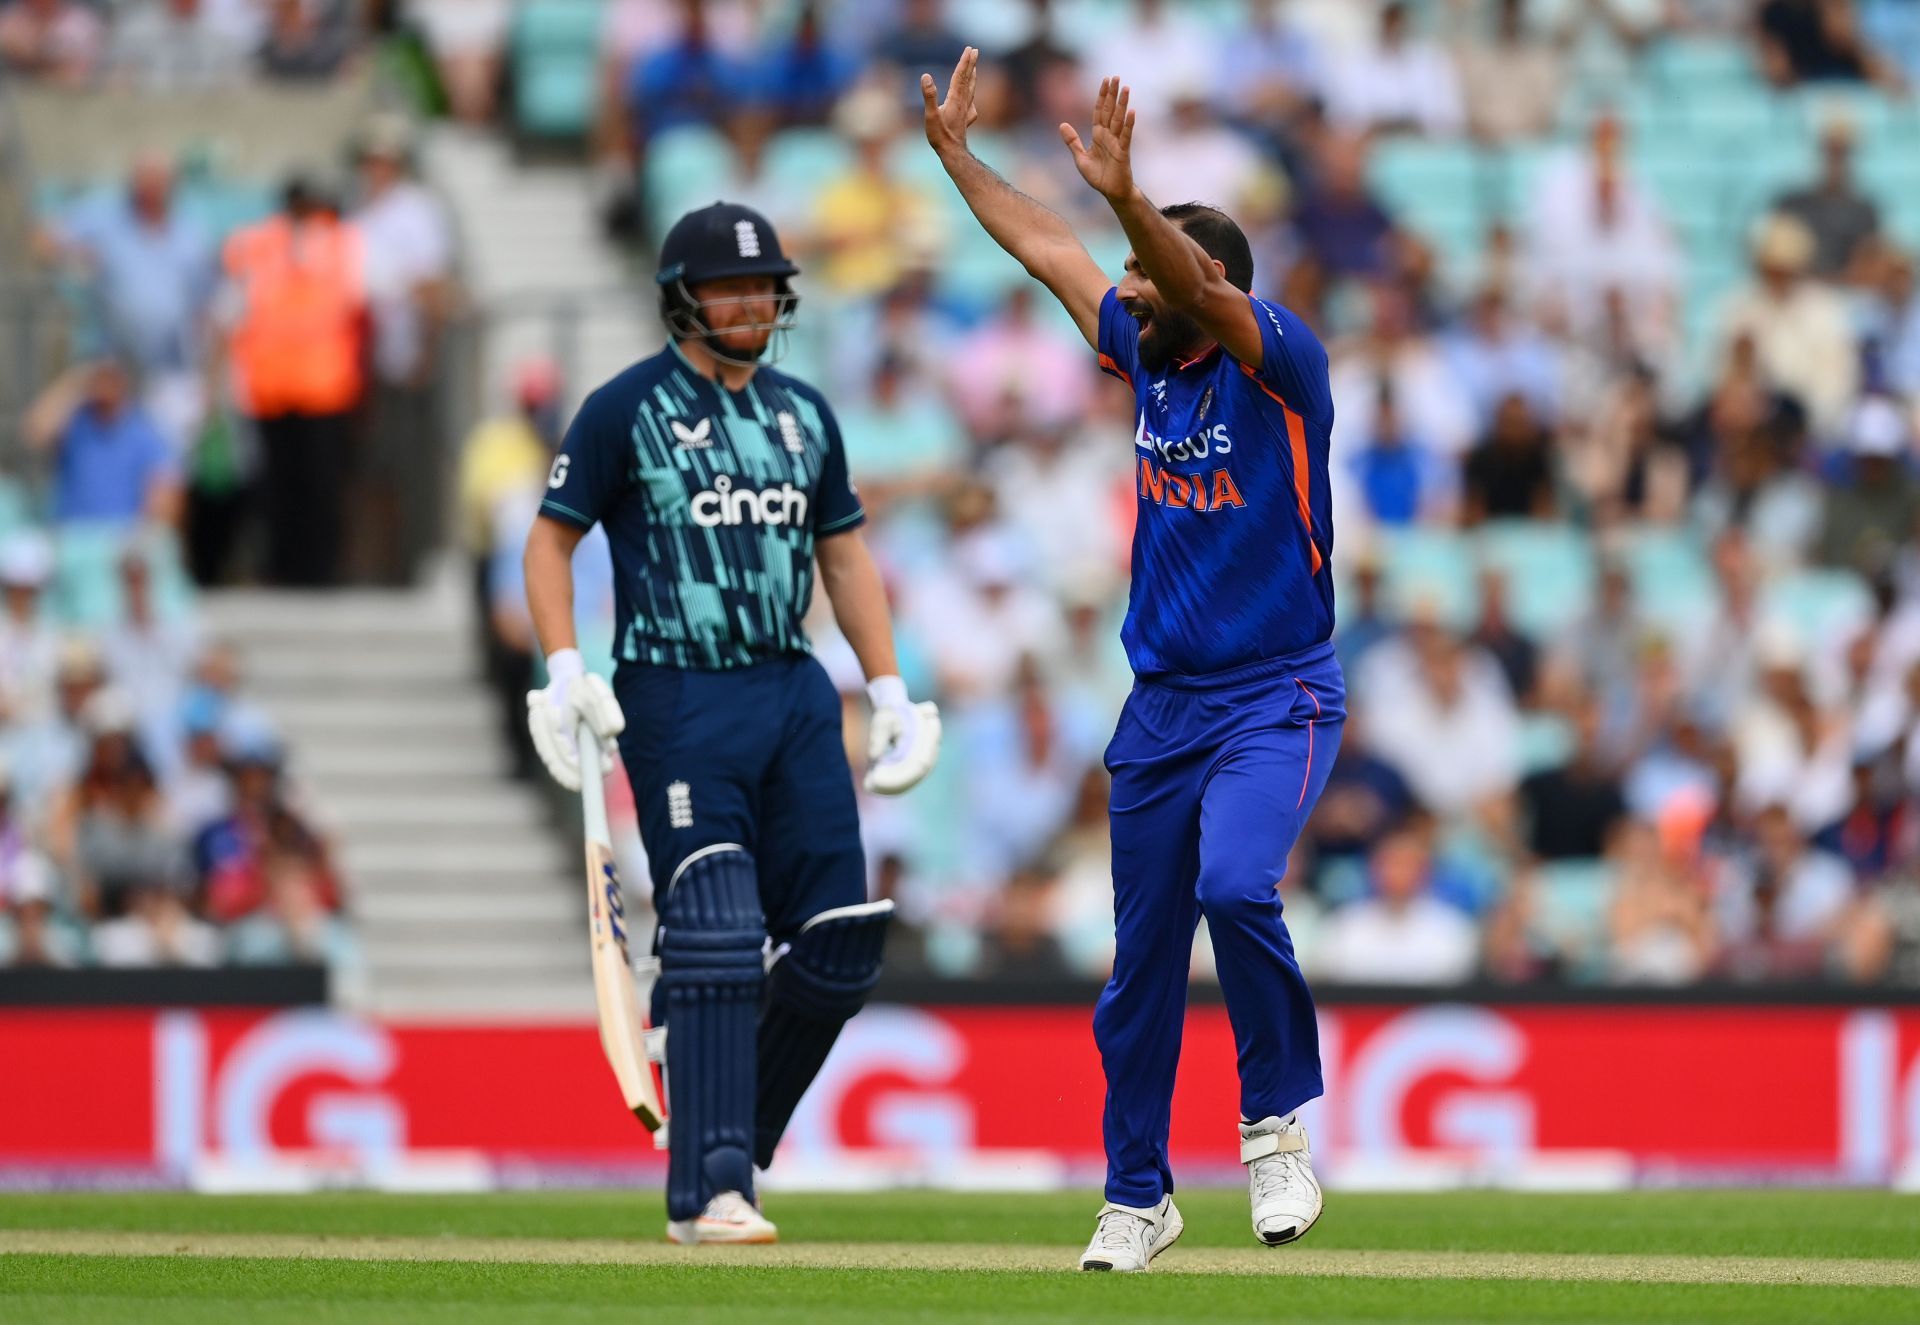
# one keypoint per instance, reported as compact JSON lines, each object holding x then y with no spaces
{"x":623,"y":1023}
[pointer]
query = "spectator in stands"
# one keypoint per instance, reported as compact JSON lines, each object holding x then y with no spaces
{"x":690,"y":80}
{"x":1342,"y":226}
{"x":305,"y":41}
{"x":1397,"y":81}
{"x":1155,"y":49}
{"x":110,"y":832}
{"x":157,"y":929}
{"x":1401,"y":478}
{"x":111,"y":465}
{"x":1495,"y":354}
{"x":1840,"y":216}
{"x":1598,"y":251}
{"x":1365,"y":795}
{"x":59,"y":41}
{"x":1018,"y":372}
{"x":1400,"y":933}
{"x":29,"y":648}
{"x":1455,"y":733}
{"x":1875,"y":511}
{"x":167,"y":46}
{"x":1020,"y":942}
{"x":1505,"y":642}
{"x":804,"y":76}
{"x":153,"y":274}
{"x":919,"y":42}
{"x":1620,"y":460}
{"x":240,"y":856}
{"x":1265,"y":68}
{"x":1660,"y":923}
{"x":1510,"y":475}
{"x":1817,"y":41}
{"x":1571,"y":810}
{"x":871,"y":226}
{"x":903,"y":441}
{"x":1195,"y":144}
{"x":148,"y":653}
{"x":1781,"y":904}
{"x":299,"y":291}
{"x":1395,"y":353}
{"x":406,"y":246}
{"x":1799,"y":327}
{"x":468,"y":39}
{"x":1511,"y":78}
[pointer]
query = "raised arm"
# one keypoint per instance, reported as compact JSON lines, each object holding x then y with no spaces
{"x":1185,"y":277}
{"x":1039,"y":239}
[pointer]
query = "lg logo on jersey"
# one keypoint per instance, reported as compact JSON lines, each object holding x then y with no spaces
{"x":724,"y":504}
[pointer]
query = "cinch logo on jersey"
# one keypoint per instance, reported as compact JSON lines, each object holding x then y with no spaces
{"x":1206,"y":442}
{"x":724,"y":504}
{"x":1198,"y":492}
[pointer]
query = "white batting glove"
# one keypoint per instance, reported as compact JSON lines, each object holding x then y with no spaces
{"x":572,"y":693}
{"x":903,"y":740}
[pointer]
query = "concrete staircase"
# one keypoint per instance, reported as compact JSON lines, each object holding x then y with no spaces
{"x":464,"y":890}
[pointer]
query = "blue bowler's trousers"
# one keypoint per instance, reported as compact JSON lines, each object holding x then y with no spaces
{"x":1213,"y":780}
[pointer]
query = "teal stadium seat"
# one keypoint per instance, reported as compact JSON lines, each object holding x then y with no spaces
{"x":1571,"y":909}
{"x":1673,"y":584}
{"x":1423,"y":567}
{"x":687,"y":167}
{"x":1548,"y":569}
{"x":1818,"y":604}
{"x":555,"y":58}
{"x":86,"y":587}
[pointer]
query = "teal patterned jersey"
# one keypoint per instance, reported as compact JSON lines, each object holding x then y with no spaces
{"x":712,"y":500}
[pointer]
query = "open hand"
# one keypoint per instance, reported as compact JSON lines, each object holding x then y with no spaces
{"x":948,"y":120}
{"x":1108,"y":164}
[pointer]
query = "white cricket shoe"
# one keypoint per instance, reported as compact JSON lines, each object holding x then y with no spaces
{"x":1129,"y":1237}
{"x":1280,"y":1181}
{"x":729,"y":1217}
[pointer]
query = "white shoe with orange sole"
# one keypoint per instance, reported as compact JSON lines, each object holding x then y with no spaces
{"x":728,"y":1218}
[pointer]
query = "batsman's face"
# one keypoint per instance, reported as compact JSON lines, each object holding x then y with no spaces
{"x":740,"y":312}
{"x":1166,"y":334}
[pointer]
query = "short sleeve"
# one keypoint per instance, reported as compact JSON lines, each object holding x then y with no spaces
{"x":1119,"y":343}
{"x":1293,"y":363}
{"x":592,"y":469}
{"x":836,"y":507}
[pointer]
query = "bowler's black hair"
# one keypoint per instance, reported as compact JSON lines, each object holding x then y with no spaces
{"x":1215,"y":231}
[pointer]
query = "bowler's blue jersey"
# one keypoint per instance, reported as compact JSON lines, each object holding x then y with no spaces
{"x":1232,"y":551}
{"x":711,"y":500}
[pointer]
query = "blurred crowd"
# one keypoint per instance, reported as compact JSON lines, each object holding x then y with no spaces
{"x":145,"y":816}
{"x":1628,"y":600}
{"x":1625,"y":351}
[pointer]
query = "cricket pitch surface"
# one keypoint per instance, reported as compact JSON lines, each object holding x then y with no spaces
{"x":592,"y":1256}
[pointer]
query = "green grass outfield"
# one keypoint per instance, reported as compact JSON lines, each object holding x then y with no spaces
{"x":582,"y":1257}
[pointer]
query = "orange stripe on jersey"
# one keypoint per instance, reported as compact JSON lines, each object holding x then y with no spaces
{"x":1297,"y":443}
{"x":1106,"y":362}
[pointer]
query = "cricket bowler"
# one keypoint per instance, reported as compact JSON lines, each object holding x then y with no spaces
{"x":1224,"y":745}
{"x":719,"y":481}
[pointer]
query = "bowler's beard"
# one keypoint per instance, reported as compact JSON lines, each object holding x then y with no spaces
{"x":1168,"y":336}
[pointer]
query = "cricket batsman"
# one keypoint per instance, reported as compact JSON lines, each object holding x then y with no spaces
{"x":719,"y":482}
{"x":1224,"y":745}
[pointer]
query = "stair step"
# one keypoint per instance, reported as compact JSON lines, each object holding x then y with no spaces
{"x":531,"y":906}
{"x":538,"y":856}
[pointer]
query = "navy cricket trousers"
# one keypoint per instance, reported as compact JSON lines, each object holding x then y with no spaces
{"x":752,"y":756}
{"x":1212,"y":784}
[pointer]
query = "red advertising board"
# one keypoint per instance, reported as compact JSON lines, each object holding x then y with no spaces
{"x":1822,"y":1092}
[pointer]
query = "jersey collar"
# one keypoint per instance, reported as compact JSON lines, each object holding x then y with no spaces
{"x":1181,"y":365}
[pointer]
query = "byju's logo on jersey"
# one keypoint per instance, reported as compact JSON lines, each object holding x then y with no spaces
{"x":697,"y":438}
{"x":725,"y":504}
